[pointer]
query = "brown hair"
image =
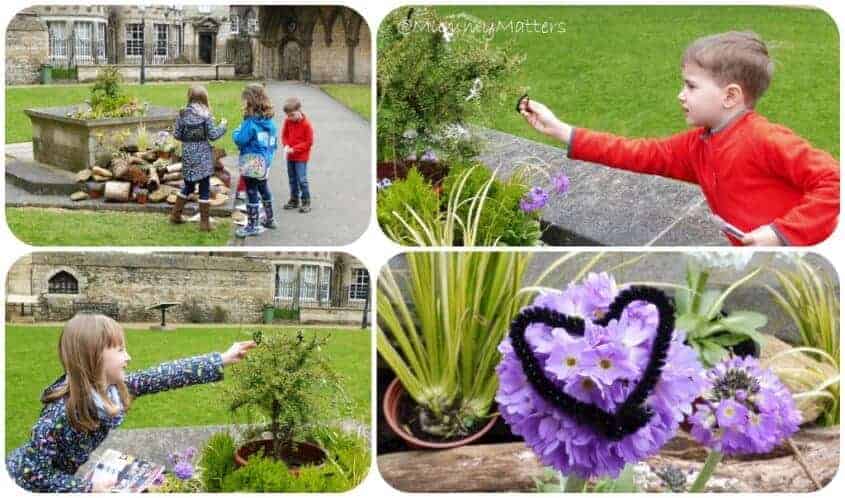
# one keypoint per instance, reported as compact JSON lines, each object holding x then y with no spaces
{"x":81,"y":346}
{"x":198,"y":94}
{"x":734,"y":57}
{"x":257,"y":101}
{"x":292,"y":104}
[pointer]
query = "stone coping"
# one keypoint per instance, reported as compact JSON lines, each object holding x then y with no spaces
{"x":153,"y":113}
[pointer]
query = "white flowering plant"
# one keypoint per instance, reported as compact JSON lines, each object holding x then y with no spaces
{"x":433,"y":81}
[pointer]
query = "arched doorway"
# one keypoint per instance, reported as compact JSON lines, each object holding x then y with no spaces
{"x":291,"y":67}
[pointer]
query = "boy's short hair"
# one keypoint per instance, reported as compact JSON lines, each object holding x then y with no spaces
{"x":738,"y":57}
{"x":292,"y":104}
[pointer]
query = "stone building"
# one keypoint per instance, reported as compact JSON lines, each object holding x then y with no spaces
{"x":322,"y":287}
{"x":319,"y":44}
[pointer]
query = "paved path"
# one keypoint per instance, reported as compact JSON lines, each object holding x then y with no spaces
{"x":339,"y":174}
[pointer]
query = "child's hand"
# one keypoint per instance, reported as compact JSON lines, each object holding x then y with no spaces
{"x":237,"y":352}
{"x":288,"y":149}
{"x":761,"y":236}
{"x":223,"y":122}
{"x":542,"y":119}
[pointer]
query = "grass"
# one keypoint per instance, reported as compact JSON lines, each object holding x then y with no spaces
{"x":32,"y":364}
{"x":65,"y":227}
{"x":225,"y":100}
{"x":355,"y":97}
{"x":617,"y":68}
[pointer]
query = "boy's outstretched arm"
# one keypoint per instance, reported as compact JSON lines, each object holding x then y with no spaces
{"x":186,"y":372}
{"x":663,"y":157}
{"x":816,"y":174}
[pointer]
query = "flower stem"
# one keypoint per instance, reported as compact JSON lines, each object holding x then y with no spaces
{"x":574,"y":484}
{"x":800,"y":458}
{"x":713,"y":459}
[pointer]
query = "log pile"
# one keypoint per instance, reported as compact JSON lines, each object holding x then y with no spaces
{"x":147,"y":176}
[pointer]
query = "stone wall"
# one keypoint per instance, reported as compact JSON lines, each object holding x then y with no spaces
{"x":329,"y":61}
{"x":344,"y":316}
{"x":362,"y":55}
{"x":239,"y":286}
{"x":27,"y":47}
{"x":164,"y":72}
{"x":19,"y":278}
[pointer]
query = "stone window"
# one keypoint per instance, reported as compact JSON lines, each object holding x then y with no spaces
{"x":180,"y":40}
{"x":308,"y":289}
{"x":160,"y":49}
{"x":134,"y":40}
{"x":101,"y":42}
{"x":83,"y":34}
{"x":58,"y":41}
{"x":233,"y":24}
{"x":325,"y":283}
{"x":63,"y":283}
{"x":285,"y":282}
{"x":251,"y":22}
{"x":359,"y":289}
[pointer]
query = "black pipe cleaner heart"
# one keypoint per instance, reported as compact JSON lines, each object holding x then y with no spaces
{"x":631,"y":415}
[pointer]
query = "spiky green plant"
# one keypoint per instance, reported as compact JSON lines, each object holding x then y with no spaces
{"x":810,"y":297}
{"x":439,"y":329}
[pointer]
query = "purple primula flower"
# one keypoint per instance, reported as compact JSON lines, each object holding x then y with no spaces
{"x":534,"y":200}
{"x":746,"y":409}
{"x":575,"y":365}
{"x":561,"y":183}
{"x":183,"y":470}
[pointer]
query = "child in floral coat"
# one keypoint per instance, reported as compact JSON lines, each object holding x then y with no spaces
{"x":91,"y":398}
{"x":195,"y":129}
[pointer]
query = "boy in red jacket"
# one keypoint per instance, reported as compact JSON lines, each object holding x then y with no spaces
{"x":758,"y":176}
{"x":297,"y":137}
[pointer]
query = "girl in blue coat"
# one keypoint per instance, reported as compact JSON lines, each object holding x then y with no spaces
{"x":257,"y":134}
{"x":91,"y":398}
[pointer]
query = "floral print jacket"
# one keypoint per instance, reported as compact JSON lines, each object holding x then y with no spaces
{"x":49,"y":460}
{"x":197,"y":157}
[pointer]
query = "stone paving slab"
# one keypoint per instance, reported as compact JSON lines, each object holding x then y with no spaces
{"x":39,"y":179}
{"x":606,"y":206}
{"x":157,"y":443}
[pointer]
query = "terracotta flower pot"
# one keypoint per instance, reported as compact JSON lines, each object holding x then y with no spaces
{"x":392,"y":398}
{"x":302,"y":454}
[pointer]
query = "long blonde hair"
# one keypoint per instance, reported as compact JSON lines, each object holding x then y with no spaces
{"x":81,"y":346}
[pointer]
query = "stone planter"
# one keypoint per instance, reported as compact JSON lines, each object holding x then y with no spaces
{"x":72,"y":144}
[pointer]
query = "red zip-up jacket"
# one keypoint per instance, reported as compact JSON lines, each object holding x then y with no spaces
{"x":752,"y":173}
{"x":300,"y":136}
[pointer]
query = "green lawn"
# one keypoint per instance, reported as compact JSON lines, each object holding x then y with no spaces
{"x":224,"y":98}
{"x":355,"y":97}
{"x":32,"y":364}
{"x":65,"y":227}
{"x":617,"y":68}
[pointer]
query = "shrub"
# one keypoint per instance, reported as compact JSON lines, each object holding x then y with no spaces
{"x":194,"y":311}
{"x":432,"y":81}
{"x":219,"y":314}
{"x":64,"y":73}
{"x":415,"y":193}
{"x":287,"y":380}
{"x":217,"y":461}
{"x":107,"y":98}
{"x":286,"y":314}
{"x":259,"y":475}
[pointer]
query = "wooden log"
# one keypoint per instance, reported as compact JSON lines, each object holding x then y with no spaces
{"x":218,"y":200}
{"x":173,"y":168}
{"x":153,"y":181}
{"x":136,"y":160}
{"x":100,"y":178}
{"x":161,"y":193}
{"x":149,"y":155}
{"x":512,"y":467}
{"x":84,"y":175}
{"x":96,"y":170}
{"x":169,"y":177}
{"x":118,"y":191}
{"x":119,"y":168}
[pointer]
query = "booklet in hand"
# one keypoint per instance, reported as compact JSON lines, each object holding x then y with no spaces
{"x":130,"y":474}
